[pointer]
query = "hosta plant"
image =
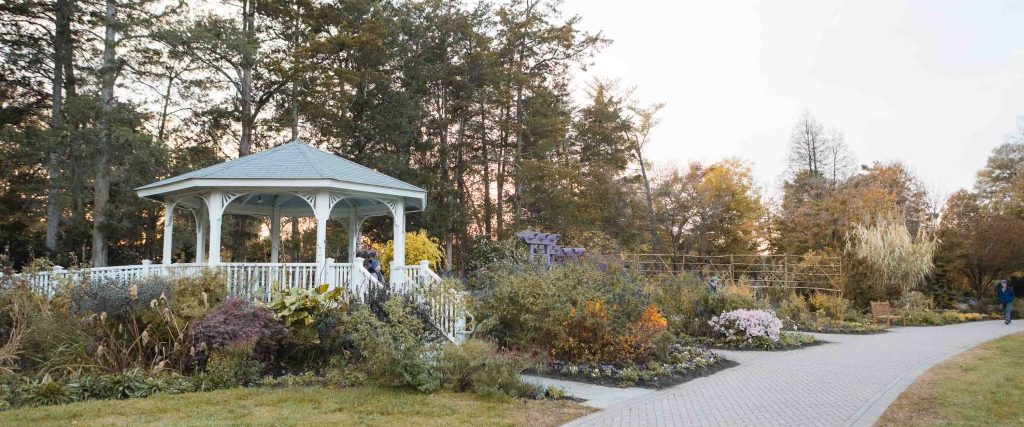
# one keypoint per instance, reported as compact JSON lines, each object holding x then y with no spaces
{"x":296,"y":307}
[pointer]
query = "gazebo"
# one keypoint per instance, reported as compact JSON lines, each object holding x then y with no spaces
{"x":292,"y":180}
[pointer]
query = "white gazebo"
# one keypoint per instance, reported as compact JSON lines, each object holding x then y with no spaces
{"x":295,"y":181}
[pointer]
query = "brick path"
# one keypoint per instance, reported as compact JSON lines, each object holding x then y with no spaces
{"x":847,"y":382}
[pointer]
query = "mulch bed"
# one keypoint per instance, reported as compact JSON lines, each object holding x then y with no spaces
{"x":659,"y":383}
{"x":719,"y":346}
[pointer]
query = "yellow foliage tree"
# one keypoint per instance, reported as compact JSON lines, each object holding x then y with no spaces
{"x":419,"y":246}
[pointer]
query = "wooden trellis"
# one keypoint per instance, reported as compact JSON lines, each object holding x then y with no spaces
{"x":812,"y":273}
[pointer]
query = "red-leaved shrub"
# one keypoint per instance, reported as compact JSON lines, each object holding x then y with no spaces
{"x":237,"y":321}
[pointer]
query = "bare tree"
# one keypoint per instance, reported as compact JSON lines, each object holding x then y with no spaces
{"x":840,"y":162}
{"x":814,"y":151}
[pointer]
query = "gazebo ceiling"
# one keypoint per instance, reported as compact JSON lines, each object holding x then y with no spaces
{"x":285,"y":176}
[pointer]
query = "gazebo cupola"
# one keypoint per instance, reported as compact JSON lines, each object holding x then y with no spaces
{"x":292,"y":180}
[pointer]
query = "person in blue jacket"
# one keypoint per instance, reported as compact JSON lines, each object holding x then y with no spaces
{"x":1005,"y":294}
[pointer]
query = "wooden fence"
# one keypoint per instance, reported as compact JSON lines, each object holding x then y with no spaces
{"x":811,"y":273}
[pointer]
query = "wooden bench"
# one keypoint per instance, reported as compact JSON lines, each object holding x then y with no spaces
{"x":882,"y":310}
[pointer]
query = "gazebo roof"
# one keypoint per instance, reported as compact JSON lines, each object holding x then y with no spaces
{"x":290,"y":168}
{"x":294,"y":160}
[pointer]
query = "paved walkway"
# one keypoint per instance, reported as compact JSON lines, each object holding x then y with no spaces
{"x":847,"y":382}
{"x":596,"y":396}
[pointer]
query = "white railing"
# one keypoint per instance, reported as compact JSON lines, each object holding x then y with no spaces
{"x":447,"y":306}
{"x":259,"y":280}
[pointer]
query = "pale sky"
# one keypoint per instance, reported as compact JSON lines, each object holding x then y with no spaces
{"x":936,"y":84}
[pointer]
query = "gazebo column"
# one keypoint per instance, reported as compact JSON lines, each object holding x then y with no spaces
{"x":275,"y":233}
{"x":322,"y":211}
{"x":215,"y":206}
{"x":398,"y":260}
{"x":168,"y":231}
{"x":202,"y":226}
{"x":353,"y":233}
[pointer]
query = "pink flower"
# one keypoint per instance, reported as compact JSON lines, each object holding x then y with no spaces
{"x":748,"y":324}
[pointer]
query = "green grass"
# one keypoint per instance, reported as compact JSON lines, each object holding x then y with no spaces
{"x":982,"y":386}
{"x":305,"y":406}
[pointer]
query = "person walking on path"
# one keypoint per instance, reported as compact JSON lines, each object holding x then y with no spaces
{"x":1005,"y":294}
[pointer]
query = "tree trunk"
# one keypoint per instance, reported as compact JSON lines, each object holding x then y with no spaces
{"x":62,"y":29}
{"x":486,"y":170}
{"x":248,"y":30}
{"x":655,"y":242}
{"x":162,"y":128}
{"x":500,"y":195}
{"x":248,"y":121}
{"x":101,"y":192}
{"x":517,"y":202}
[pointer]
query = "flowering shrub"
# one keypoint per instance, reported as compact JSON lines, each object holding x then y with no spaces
{"x":747,"y":325}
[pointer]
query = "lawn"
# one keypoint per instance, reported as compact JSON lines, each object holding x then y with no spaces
{"x":293,"y":406}
{"x":982,"y":386}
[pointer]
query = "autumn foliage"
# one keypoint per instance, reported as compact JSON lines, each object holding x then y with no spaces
{"x":591,"y":335}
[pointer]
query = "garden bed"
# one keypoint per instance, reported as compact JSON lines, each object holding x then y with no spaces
{"x":845,"y":328}
{"x":787,"y":341}
{"x":689,"y":363}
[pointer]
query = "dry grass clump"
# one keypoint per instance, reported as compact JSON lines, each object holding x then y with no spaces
{"x":892,"y":261}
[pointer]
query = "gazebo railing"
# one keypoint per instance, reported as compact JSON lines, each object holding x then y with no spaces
{"x":259,"y":280}
{"x":447,"y":306}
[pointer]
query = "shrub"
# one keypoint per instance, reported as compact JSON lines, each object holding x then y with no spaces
{"x":230,"y":366}
{"x":45,"y":392}
{"x":419,"y":246}
{"x":747,"y":325}
{"x":479,"y":366}
{"x":238,"y":321}
{"x":794,"y":308}
{"x":392,"y":349}
{"x":115,"y":297}
{"x":125,"y":342}
{"x":830,"y":305}
{"x":529,"y":306}
{"x":192,"y":297}
{"x":916,"y":301}
{"x":127,"y":384}
{"x":298,"y":308}
{"x":737,"y":297}
{"x":56,"y":342}
{"x":689,"y":305}
{"x":484,"y":253}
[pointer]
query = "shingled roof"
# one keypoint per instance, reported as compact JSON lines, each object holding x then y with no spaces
{"x":294,"y":160}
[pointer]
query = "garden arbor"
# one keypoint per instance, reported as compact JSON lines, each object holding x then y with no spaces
{"x":293,"y":180}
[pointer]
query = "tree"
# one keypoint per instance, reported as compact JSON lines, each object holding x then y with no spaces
{"x":813,"y":151}
{"x":817,"y":214}
{"x":128,"y":28}
{"x":711,"y":210}
{"x":982,"y":245}
{"x":1000,"y":184}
